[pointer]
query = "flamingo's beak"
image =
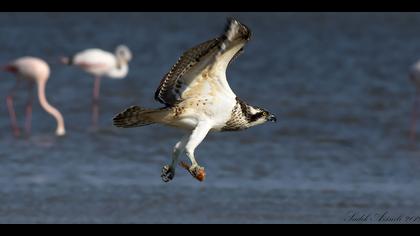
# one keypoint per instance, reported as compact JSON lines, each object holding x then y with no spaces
{"x":65,"y":60}
{"x":9,"y":68}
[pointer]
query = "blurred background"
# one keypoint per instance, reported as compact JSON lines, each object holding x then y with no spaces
{"x":338,"y":83}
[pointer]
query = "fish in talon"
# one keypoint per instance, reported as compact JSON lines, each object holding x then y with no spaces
{"x":198,"y":172}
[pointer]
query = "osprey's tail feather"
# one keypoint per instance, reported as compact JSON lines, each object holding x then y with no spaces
{"x":137,"y":116}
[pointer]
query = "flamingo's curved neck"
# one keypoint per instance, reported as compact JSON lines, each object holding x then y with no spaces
{"x":60,"y":131}
{"x":120,"y":71}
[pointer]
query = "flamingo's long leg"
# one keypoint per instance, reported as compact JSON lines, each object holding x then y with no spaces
{"x":95,"y":101}
{"x":28,"y":121}
{"x":11,"y":109}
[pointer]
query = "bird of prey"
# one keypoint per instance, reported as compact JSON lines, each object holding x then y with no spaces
{"x":197,"y":98}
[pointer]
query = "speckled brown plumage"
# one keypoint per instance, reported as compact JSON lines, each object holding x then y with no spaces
{"x":239,"y":119}
{"x":177,"y":111}
{"x":170,"y":87}
{"x":166,"y":93}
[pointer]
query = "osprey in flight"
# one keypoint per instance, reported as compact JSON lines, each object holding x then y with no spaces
{"x":197,"y":98}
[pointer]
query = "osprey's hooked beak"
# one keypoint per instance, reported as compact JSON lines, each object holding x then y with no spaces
{"x":272,"y":118}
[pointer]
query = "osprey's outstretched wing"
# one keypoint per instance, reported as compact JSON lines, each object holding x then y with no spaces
{"x":213,"y":55}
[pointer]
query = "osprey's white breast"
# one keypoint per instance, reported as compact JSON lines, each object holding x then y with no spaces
{"x":205,"y":100}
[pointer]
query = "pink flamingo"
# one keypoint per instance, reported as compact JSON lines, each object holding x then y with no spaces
{"x":34,"y":71}
{"x":101,"y":63}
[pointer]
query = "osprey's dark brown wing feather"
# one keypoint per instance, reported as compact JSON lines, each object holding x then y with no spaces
{"x":199,"y":57}
{"x":167,"y":92}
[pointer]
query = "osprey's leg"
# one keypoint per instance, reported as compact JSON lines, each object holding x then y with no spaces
{"x":196,"y":137}
{"x":168,"y":171}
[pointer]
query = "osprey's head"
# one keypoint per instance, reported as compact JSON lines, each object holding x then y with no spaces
{"x":257,"y":116}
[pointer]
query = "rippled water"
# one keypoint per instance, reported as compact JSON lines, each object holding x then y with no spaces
{"x":336,"y":81}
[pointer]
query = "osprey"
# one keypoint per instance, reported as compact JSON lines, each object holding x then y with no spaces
{"x":197,"y":98}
